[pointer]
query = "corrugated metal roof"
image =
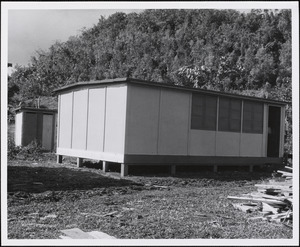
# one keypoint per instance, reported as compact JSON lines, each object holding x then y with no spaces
{"x":115,"y":81}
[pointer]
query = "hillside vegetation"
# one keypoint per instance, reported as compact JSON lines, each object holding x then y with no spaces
{"x":221,"y":50}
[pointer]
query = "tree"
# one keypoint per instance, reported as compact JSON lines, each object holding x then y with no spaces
{"x":215,"y":49}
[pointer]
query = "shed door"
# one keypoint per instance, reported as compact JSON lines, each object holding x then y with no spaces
{"x":29,"y":128}
{"x":273,"y":131}
{"x":47,"y":135}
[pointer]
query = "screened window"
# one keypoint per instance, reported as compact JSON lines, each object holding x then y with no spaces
{"x":230,"y":115}
{"x":253,"y":117}
{"x":204,"y":112}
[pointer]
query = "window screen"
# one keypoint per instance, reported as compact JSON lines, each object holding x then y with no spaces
{"x":253,"y":117}
{"x":229,"y":115}
{"x":204,"y":112}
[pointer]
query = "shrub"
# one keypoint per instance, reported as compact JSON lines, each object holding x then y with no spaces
{"x":31,"y":151}
{"x":12,"y":150}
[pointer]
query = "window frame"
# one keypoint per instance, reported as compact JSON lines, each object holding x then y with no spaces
{"x":203,"y":115}
{"x":230,"y":115}
{"x":253,"y":119}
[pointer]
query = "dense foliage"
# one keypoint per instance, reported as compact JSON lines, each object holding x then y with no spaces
{"x":215,"y":49}
{"x":31,"y":151}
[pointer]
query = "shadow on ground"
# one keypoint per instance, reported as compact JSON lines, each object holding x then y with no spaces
{"x":225,"y":173}
{"x":41,"y":179}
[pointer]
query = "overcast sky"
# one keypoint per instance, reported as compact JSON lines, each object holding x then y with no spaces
{"x":38,"y":25}
{"x":30,"y":30}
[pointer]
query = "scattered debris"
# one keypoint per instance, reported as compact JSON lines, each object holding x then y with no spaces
{"x":110,"y":214}
{"x":243,"y":207}
{"x":76,"y":233}
{"x":90,"y":214}
{"x":160,"y":186}
{"x":127,"y":209}
{"x":274,"y":200}
{"x":52,"y":216}
{"x":101,"y":215}
{"x":37,"y":183}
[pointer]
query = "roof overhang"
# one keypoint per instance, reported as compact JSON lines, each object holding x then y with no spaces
{"x":32,"y":109}
{"x":116,"y":81}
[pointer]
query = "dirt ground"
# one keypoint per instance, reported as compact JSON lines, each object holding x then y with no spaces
{"x":45,"y":197}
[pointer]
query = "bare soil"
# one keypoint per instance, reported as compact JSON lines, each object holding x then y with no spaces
{"x":45,"y":197}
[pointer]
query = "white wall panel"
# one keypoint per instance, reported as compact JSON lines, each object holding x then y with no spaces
{"x":115,"y":119}
{"x":79,"y":119}
{"x":227,"y":144}
{"x":18,"y":128}
{"x":142,"y":120}
{"x":65,"y":120}
{"x":251,"y":145}
{"x":96,"y":119}
{"x":174,"y":122}
{"x":202,"y":142}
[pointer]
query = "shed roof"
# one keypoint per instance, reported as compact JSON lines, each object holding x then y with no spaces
{"x":128,"y":80}
{"x":32,"y":109}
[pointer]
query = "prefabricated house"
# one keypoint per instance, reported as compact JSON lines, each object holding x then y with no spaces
{"x":35,"y":124}
{"x":136,"y":122}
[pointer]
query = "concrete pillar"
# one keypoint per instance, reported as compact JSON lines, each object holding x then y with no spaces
{"x":173,"y":170}
{"x":79,"y":162}
{"x":215,"y":168}
{"x":124,"y":170}
{"x":105,"y":166}
{"x":59,"y":159}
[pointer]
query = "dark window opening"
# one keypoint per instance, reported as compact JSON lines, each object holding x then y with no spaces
{"x":253,"y":117}
{"x":229,"y":115}
{"x":204,"y":112}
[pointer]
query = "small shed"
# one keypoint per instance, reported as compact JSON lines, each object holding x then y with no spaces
{"x":136,"y":122}
{"x":37,"y":124}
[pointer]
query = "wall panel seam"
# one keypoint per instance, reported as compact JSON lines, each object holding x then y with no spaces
{"x":58,"y":121}
{"x":189,"y":124}
{"x":242,"y":117}
{"x":125,"y":119}
{"x":104,"y":118}
{"x":72,"y":117}
{"x":158,"y":126}
{"x":217,"y":125}
{"x":87,"y":118}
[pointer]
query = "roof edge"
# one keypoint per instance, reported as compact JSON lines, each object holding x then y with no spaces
{"x":94,"y":82}
{"x":165,"y":85}
{"x":34,"y":109}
